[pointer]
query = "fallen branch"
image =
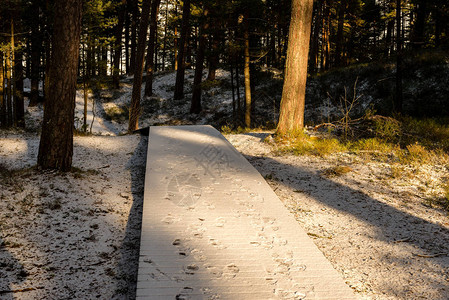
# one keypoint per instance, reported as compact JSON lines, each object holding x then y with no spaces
{"x":430,"y":255}
{"x":323,"y":125}
{"x":403,"y":240}
{"x":20,"y":290}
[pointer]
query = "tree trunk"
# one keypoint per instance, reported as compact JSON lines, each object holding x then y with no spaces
{"x":326,"y":41}
{"x":164,"y":47}
{"x":47,"y":53}
{"x":36,"y":46}
{"x":8,"y":89}
{"x":28,"y":58}
{"x":195,"y":107}
{"x":247,"y":74}
{"x":19,"y":110}
{"x":438,"y":28}
{"x":104,"y":61}
{"x":419,"y":39}
{"x":127,"y":29}
{"x":316,"y":36}
{"x":56,"y":143}
{"x":291,"y":119}
{"x":388,"y":38}
{"x":398,"y":100}
{"x":151,"y":47}
{"x":215,"y":53}
{"x":135,"y":110}
{"x":234,"y":114}
{"x":339,"y":41}
{"x":118,"y":45}
{"x":134,"y":23}
{"x":179,"y":86}
{"x":2,"y":99}
{"x":237,"y":87}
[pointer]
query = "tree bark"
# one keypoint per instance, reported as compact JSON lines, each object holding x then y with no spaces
{"x":56,"y":143}
{"x":195,"y":107}
{"x":419,"y":40}
{"x":164,"y":47}
{"x":291,"y":117}
{"x":135,"y":110}
{"x":118,"y":45}
{"x":237,"y":87}
{"x":134,"y":23}
{"x":247,"y":73}
{"x":8,"y":88}
{"x":339,"y":41}
{"x":398,"y":101}
{"x":180,"y":73}
{"x":19,"y":110}
{"x":36,"y":47}
{"x":151,"y":47}
{"x":317,"y":25}
{"x":127,"y":29}
{"x":2,"y":99}
{"x":215,"y":54}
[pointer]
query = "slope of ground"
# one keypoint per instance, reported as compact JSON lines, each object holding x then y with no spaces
{"x":76,"y":235}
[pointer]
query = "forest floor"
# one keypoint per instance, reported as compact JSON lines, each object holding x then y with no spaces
{"x":76,"y":235}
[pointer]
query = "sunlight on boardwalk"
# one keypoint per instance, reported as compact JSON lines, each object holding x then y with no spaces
{"x":213,"y":229}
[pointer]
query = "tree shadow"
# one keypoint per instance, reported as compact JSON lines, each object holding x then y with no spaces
{"x":390,"y":223}
{"x":11,"y":272}
{"x":130,"y":248}
{"x":260,"y":135}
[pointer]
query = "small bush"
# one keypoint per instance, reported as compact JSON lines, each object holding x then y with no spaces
{"x":116,"y":113}
{"x":415,"y":154}
{"x":374,"y":145}
{"x":225,"y":129}
{"x":387,"y":129}
{"x":444,"y":202}
{"x":209,"y":84}
{"x":306,"y":145}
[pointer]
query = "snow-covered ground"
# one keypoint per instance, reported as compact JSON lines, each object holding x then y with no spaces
{"x":76,"y":235}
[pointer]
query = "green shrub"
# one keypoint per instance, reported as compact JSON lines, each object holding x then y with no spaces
{"x":387,"y":129}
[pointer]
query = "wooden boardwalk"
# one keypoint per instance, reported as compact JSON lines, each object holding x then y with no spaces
{"x":213,"y":229}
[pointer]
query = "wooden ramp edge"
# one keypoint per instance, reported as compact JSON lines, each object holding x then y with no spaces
{"x":212,"y":228}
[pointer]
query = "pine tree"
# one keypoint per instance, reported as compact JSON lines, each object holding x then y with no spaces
{"x":56,"y":143}
{"x":291,"y":117}
{"x":134,"y":111}
{"x":185,"y":28}
{"x":151,"y":47}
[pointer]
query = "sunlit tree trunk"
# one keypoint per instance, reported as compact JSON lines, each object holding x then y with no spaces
{"x":175,"y":42}
{"x":291,"y":117}
{"x":56,"y":143}
{"x":247,"y":73}
{"x":135,"y":109}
